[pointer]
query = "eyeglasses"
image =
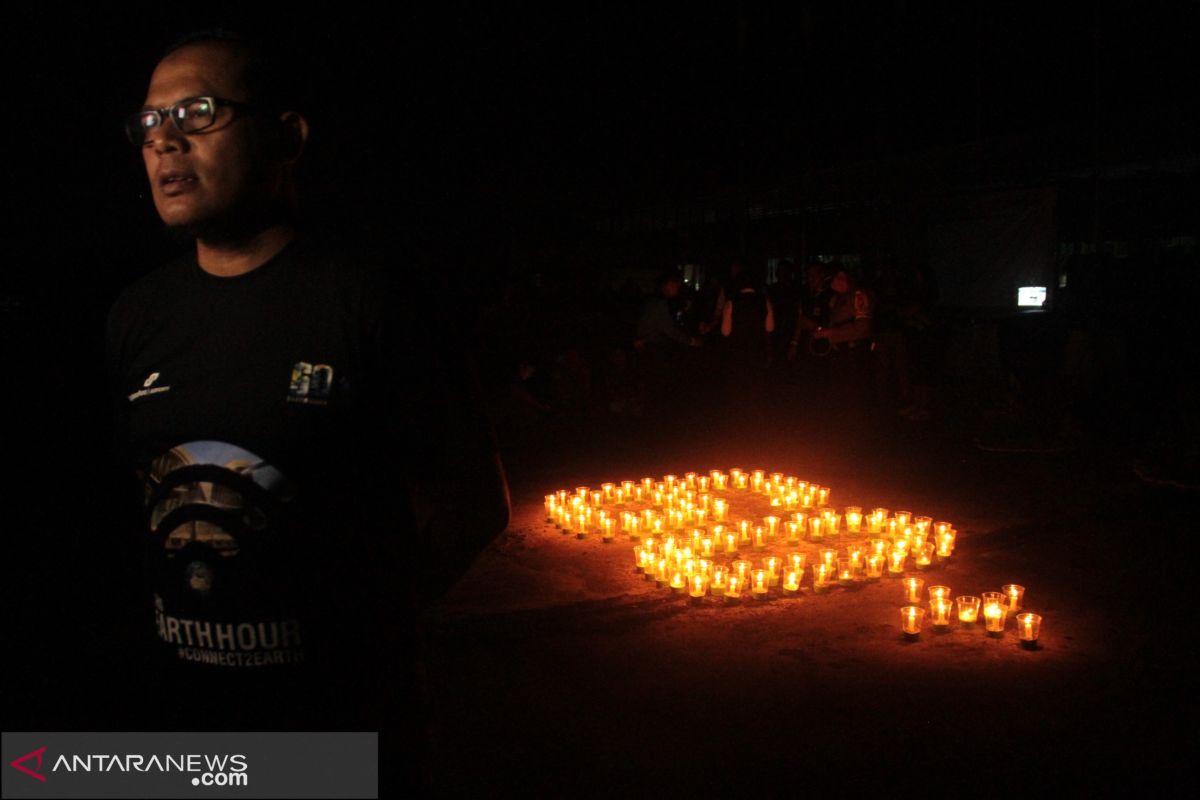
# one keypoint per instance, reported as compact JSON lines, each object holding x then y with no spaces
{"x":190,"y":115}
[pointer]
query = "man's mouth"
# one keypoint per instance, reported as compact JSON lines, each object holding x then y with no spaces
{"x":175,"y":183}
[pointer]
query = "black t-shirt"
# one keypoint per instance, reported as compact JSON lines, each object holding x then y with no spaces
{"x":276,"y":419}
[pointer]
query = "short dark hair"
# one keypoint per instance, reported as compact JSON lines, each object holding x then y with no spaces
{"x":274,"y":74}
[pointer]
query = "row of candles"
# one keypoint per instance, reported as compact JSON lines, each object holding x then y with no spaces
{"x":683,"y":525}
{"x":997,"y":608}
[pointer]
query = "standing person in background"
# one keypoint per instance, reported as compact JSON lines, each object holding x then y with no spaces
{"x":851,"y":375}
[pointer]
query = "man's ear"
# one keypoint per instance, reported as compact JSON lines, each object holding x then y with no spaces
{"x":295,"y":135}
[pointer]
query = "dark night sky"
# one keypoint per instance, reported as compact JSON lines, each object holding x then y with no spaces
{"x":493,"y":115}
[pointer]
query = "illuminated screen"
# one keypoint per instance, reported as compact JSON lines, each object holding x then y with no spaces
{"x":1034,"y":296}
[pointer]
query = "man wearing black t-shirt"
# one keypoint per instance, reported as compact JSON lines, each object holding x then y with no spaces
{"x":296,"y":432}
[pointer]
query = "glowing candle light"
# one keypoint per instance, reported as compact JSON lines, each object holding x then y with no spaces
{"x":1029,"y":627}
{"x":828,"y":557}
{"x":791,"y":582}
{"x":853,"y":519}
{"x":720,"y":480}
{"x":720,"y":509}
{"x":772,"y":565}
{"x":678,"y":582}
{"x":609,"y":528}
{"x":845,"y":572}
{"x":608,"y":491}
{"x":912,"y":589}
{"x":945,"y":544}
{"x":896,"y":559}
{"x":698,"y":586}
{"x":796,"y":561}
{"x":823,"y":496}
{"x":639,"y":558}
{"x":923,"y":524}
{"x":939,"y":593}
{"x":793,"y":532}
{"x":822,"y":576}
{"x":551,"y":503}
{"x":647,"y":486}
{"x":706,"y":547}
{"x":833,"y":524}
{"x":910,"y":620}
{"x":662,"y":575}
{"x":735,"y":475}
{"x":633,"y":526}
{"x":939,"y":612}
{"x":875,"y":566}
{"x":772,"y":524}
{"x":924,"y":555}
{"x":816,"y":529}
{"x":760,"y":537}
{"x":994,"y":615}
{"x":878,"y":546}
{"x":742,"y":569}
{"x":582,"y":492}
{"x":720,"y":579}
{"x":731,"y":543}
{"x":876,"y":520}
{"x":1014,"y":593}
{"x":581,"y":526}
{"x":740,"y":482}
{"x":759,"y":589}
{"x":856,"y":555}
{"x":745,"y":534}
{"x":903,"y":518}
{"x":806,"y":499}
{"x":703,"y":482}
{"x":968,"y":609}
{"x":757,"y":480}
{"x":734,"y":590}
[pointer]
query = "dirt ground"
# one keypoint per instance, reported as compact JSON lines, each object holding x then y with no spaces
{"x":554,"y":669}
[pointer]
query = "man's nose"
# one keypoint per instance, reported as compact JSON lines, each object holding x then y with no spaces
{"x":165,"y":138}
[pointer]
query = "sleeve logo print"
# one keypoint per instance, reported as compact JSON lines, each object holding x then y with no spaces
{"x":310,"y":384}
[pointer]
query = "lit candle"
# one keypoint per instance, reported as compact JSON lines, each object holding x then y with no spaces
{"x":797,"y":560}
{"x":793,"y":532}
{"x":845,"y":572}
{"x":912,"y":589}
{"x":833,"y":523}
{"x":939,"y":593}
{"x":609,"y":490}
{"x":760,"y":584}
{"x":698,"y":586}
{"x":876,"y":520}
{"x":633,"y":525}
{"x":706,"y":547}
{"x":720,"y":579}
{"x":609,"y":528}
{"x":582,"y":492}
{"x":923,"y":524}
{"x":823,"y":496}
{"x":702,"y":483}
{"x":1015,"y":594}
{"x":924,"y":555}
{"x":993,"y":618}
{"x":734,"y":590}
{"x":821,"y":577}
{"x":678,"y":584}
{"x":816,"y":527}
{"x":945,"y":544}
{"x":896,"y":560}
{"x":760,"y":538}
{"x":661,"y":574}
{"x":968,"y":609}
{"x":647,"y":486}
{"x":829,"y":558}
{"x":551,"y":503}
{"x":597,"y":496}
{"x":910,"y":620}
{"x":875,"y":565}
{"x":1029,"y":627}
{"x":731,"y":542}
{"x":720,"y":509}
{"x":939,"y":611}
{"x":627,"y":488}
{"x":853,"y":519}
{"x":719,"y":479}
{"x":756,"y":481}
{"x":771,"y":564}
{"x":581,"y":526}
{"x":902,"y":518}
{"x":791,"y":583}
{"x":772,"y":526}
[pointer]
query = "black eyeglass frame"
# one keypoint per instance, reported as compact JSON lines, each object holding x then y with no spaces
{"x":136,"y":131}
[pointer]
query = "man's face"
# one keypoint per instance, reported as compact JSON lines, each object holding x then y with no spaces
{"x":207,"y":179}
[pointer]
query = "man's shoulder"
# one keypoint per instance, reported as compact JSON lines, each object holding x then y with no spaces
{"x":157,"y":286}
